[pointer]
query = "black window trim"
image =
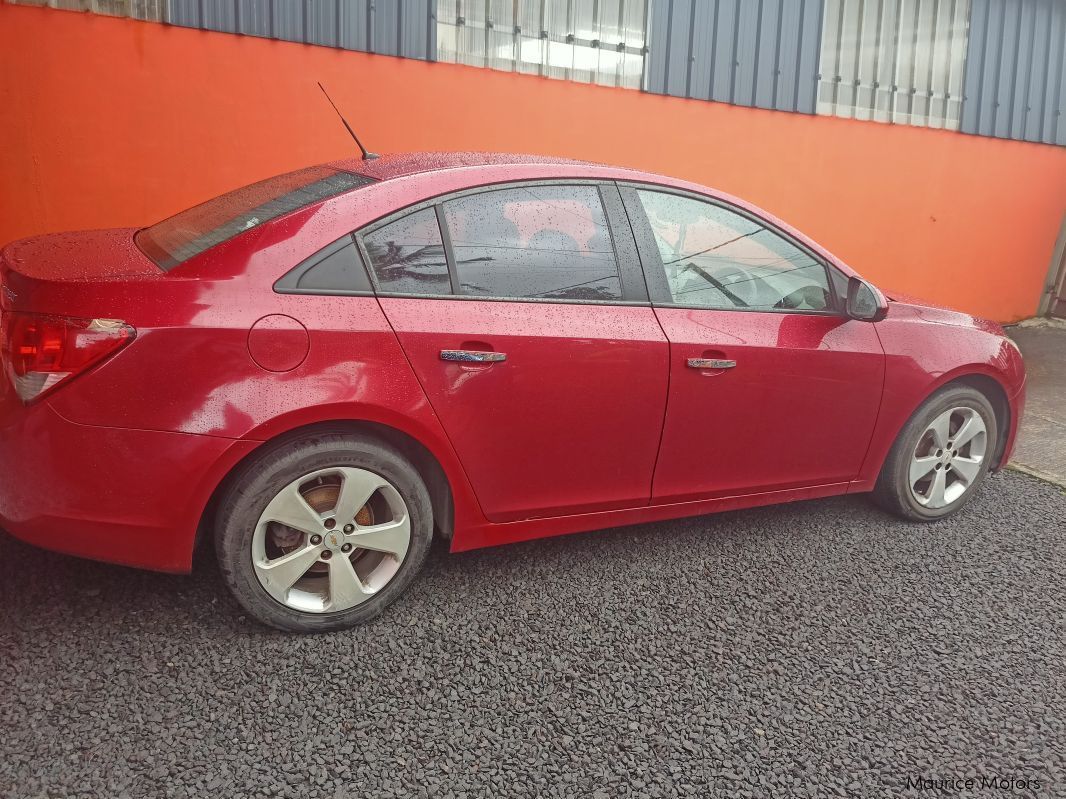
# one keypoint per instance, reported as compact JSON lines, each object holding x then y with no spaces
{"x":289,"y":282}
{"x":655,"y":270}
{"x":449,"y":251}
{"x":630,"y":274}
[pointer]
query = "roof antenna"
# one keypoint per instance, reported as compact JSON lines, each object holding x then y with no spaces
{"x":367,"y":156}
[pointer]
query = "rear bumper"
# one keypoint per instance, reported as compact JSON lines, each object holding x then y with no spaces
{"x":133,"y":497}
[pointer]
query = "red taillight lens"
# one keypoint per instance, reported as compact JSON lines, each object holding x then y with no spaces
{"x":40,"y":352}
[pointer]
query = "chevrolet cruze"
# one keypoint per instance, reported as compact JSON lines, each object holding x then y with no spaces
{"x":321,"y":371}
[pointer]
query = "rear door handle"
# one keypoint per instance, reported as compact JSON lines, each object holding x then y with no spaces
{"x":710,"y":363}
{"x":472,"y":356}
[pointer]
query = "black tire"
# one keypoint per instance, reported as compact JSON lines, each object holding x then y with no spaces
{"x":892,"y":491}
{"x":244,"y":501}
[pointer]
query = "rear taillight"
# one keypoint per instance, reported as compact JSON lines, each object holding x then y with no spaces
{"x":40,"y":352}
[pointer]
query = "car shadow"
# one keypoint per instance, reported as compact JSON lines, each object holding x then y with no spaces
{"x":90,"y":594}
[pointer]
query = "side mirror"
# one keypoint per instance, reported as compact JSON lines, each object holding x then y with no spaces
{"x":865,"y":302}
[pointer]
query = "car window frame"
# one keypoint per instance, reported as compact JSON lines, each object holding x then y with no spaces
{"x":655,"y":270}
{"x":397,"y":216}
{"x":631,"y":275}
{"x":289,"y":282}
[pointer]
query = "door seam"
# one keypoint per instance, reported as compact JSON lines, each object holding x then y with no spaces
{"x":432,"y":407}
{"x":880,"y":408}
{"x":669,"y":345}
{"x":666,"y":406}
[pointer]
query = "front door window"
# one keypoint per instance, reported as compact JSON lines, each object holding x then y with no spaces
{"x":716,"y":258}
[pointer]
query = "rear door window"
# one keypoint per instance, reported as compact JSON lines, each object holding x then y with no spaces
{"x":534,"y":242}
{"x":175,"y":240}
{"x":407,"y":255}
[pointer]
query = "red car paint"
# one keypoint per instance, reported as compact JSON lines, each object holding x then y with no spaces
{"x":593,"y":422}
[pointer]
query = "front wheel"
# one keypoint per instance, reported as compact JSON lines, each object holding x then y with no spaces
{"x":940,"y":457}
{"x":323,"y":533}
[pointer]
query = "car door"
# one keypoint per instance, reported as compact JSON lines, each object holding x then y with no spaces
{"x":771,"y":387}
{"x":523,"y":311}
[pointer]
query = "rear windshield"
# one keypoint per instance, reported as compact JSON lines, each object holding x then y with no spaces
{"x":177,"y":239}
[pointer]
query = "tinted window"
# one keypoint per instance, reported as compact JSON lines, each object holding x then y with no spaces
{"x":549,"y":242}
{"x":716,"y":258}
{"x":334,"y":268}
{"x":177,"y":239}
{"x":408,"y":256}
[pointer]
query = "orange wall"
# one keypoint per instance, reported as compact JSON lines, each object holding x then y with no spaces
{"x":107,"y":122}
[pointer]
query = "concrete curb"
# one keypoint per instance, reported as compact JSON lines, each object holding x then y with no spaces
{"x":1047,"y":478}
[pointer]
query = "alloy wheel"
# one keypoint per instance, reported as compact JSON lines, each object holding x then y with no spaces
{"x":948,"y":458}
{"x":331,"y":539}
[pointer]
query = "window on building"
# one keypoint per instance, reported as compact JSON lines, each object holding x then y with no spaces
{"x":600,"y":42}
{"x":544,"y":242}
{"x":894,"y":60}
{"x":154,"y":10}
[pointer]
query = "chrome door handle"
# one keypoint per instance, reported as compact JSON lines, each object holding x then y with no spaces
{"x":472,"y":356}
{"x":710,"y":363}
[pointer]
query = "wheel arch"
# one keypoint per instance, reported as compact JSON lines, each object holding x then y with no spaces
{"x":990,"y":386}
{"x":428,"y":464}
{"x":996,"y":395}
{"x":977,"y":376}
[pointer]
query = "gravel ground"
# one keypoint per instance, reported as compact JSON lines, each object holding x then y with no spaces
{"x":815,"y":649}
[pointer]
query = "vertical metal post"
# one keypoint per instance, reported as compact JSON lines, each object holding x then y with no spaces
{"x":951,"y":50}
{"x":837,"y":77}
{"x":644,"y":47}
{"x":932,"y":62}
{"x":860,"y":42}
{"x":914,"y":62}
{"x":875,"y":87}
{"x":736,"y":44}
{"x":1054,"y":293}
{"x":896,"y":41}
{"x":689,"y":49}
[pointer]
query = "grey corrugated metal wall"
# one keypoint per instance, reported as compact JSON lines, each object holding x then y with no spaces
{"x":405,"y":28}
{"x":1016,"y":70}
{"x":761,"y":53}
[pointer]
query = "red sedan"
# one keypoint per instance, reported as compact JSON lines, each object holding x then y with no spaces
{"x":321,"y":370}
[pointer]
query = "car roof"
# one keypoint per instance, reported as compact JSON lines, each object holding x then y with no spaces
{"x":397,"y":165}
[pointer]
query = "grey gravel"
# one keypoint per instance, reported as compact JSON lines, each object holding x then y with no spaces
{"x":816,"y":649}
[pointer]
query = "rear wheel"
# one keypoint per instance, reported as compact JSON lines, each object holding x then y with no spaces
{"x":323,"y":533}
{"x":941,"y":456}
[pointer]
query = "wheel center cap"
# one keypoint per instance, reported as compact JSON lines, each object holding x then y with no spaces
{"x":333,"y":539}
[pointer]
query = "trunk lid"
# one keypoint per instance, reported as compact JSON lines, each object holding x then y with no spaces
{"x":37,"y":271}
{"x":83,"y":255}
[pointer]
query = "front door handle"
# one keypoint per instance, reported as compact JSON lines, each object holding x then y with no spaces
{"x":710,"y":363}
{"x":472,"y":356}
